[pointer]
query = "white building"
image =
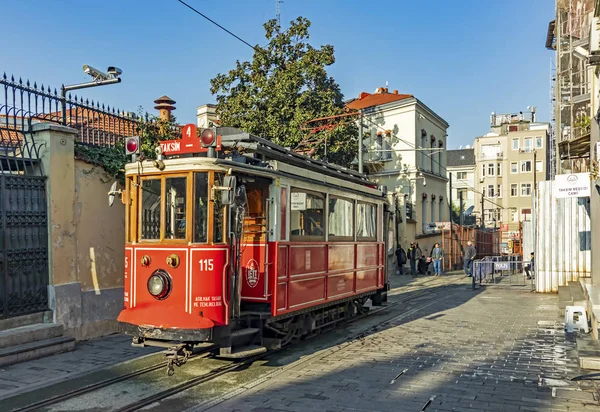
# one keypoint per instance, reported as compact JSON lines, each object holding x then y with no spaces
{"x":206,"y":116}
{"x":405,"y":150}
{"x":461,"y":163}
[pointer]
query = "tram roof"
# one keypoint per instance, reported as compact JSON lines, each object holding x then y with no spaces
{"x":232,"y":137}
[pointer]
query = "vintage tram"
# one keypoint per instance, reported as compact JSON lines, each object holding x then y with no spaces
{"x":233,"y":240}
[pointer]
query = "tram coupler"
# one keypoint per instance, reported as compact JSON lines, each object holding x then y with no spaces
{"x":176,"y":356}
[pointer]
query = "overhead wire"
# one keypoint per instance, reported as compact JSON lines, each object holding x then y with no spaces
{"x":218,"y":25}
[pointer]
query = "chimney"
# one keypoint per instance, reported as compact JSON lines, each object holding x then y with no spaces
{"x":164,"y":105}
{"x":395,"y":91}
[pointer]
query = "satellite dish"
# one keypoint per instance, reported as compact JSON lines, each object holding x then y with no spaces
{"x":469,"y":211}
{"x":111,"y":194}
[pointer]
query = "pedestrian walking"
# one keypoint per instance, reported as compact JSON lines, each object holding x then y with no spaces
{"x":414,"y":255}
{"x":468,"y":256}
{"x":529,"y":267}
{"x":437,"y":254}
{"x":401,"y":256}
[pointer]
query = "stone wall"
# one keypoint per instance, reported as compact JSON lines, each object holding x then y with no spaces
{"x":86,"y":238}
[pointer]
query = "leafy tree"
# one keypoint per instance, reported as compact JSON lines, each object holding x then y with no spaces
{"x":285,"y":85}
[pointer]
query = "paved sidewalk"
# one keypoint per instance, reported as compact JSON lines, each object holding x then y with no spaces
{"x":496,"y":349}
{"x":87,"y":357}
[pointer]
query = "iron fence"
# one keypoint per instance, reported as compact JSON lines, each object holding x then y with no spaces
{"x":503,"y":270}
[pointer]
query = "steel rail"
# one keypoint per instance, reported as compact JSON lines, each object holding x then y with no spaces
{"x":212,"y":374}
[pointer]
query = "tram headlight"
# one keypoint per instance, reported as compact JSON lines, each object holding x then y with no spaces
{"x":159,"y":284}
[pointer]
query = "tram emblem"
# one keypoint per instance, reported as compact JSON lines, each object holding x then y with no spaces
{"x":252,"y":273}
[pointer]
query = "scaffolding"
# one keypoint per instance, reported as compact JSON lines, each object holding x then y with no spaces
{"x":552,"y":153}
{"x":572,"y":87}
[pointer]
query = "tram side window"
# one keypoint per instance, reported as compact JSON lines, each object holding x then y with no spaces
{"x":307,"y":216}
{"x":341,"y":216}
{"x":151,"y":194}
{"x":175,"y":210}
{"x":201,"y":208}
{"x":218,"y":227}
{"x":366,"y":221}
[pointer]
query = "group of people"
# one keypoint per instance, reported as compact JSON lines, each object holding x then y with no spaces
{"x":419,"y":262}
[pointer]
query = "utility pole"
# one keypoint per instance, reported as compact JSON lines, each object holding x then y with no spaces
{"x":483,"y":209}
{"x":360,"y":142}
{"x":461,"y":215}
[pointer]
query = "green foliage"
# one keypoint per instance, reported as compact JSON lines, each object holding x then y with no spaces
{"x":285,"y":85}
{"x":151,"y":130}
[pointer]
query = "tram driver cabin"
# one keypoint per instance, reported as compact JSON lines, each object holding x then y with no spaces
{"x":235,"y":240}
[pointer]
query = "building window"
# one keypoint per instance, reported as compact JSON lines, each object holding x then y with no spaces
{"x":539,"y":143}
{"x":513,"y":215}
{"x":490,"y":191}
{"x":441,"y":215}
{"x":525,"y":214}
{"x":539,"y":166}
{"x":483,"y":169}
{"x":491,"y":169}
{"x":515,"y":143}
{"x":461,"y":192}
{"x":423,"y":154}
{"x":514,"y":167}
{"x":525,"y":166}
{"x":424,"y":214}
{"x":432,"y":210}
{"x":461,"y":175}
{"x":514,"y":190}
{"x":525,"y":189}
{"x":499,"y":169}
{"x":499,"y":192}
{"x":528,"y":143}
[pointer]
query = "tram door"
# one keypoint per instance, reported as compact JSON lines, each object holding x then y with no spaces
{"x":254,"y":261}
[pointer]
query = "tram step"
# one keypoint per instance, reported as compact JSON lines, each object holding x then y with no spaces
{"x":35,"y":350}
{"x":241,"y":352}
{"x":244,"y":332}
{"x":30,"y":333}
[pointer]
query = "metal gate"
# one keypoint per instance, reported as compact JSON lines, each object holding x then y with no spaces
{"x":24,"y":245}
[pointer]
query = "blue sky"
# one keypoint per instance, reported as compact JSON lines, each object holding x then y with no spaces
{"x":464,"y":59}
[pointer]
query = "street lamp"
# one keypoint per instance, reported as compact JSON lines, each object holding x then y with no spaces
{"x":100,"y":79}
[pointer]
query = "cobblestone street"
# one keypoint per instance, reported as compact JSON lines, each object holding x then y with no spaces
{"x":496,"y":349}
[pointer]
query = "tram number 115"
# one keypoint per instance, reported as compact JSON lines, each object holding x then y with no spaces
{"x":206,"y":264}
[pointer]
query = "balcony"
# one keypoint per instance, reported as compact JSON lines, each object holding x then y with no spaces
{"x":491,"y":156}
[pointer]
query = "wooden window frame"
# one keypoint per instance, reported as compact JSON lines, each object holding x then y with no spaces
{"x":311,"y":238}
{"x":335,"y":238}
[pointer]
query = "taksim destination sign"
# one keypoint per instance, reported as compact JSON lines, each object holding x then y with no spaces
{"x":572,"y":185}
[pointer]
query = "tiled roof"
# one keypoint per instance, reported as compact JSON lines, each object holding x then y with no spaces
{"x":376,"y":99}
{"x":462,"y":157}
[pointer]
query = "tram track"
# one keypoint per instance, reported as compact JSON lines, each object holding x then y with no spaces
{"x":228,"y":368}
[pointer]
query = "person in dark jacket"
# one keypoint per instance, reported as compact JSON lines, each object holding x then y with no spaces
{"x":414,"y":255}
{"x":530,"y":267}
{"x":401,"y":256}
{"x":468,"y":256}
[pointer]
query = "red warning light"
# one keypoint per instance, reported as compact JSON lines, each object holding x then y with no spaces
{"x":208,"y":137}
{"x":132,"y":145}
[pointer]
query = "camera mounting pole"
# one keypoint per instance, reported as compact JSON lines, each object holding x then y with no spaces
{"x":97,"y":82}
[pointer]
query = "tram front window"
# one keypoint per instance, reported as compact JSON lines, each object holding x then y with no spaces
{"x":175,"y":210}
{"x":151,"y":195}
{"x":201,"y":206}
{"x":218,"y":227}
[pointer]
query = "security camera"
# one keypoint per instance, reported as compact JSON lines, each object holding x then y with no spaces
{"x":114,"y":71}
{"x":95,"y":73}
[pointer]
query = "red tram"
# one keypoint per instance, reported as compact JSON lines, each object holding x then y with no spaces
{"x":236,"y":241}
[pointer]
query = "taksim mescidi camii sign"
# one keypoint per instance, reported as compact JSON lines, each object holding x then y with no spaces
{"x":572,"y":185}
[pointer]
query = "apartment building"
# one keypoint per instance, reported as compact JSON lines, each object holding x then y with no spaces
{"x":509,"y":160}
{"x":405,"y":150}
{"x":461,"y":164}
